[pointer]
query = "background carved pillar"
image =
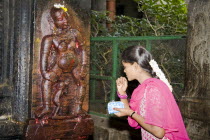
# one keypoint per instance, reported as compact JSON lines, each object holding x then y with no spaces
{"x":15,"y":58}
{"x":195,"y":103}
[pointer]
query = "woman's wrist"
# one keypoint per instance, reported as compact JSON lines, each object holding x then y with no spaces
{"x":121,"y":92}
{"x":131,"y":115}
{"x":122,"y":96}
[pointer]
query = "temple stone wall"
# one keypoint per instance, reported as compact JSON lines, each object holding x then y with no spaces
{"x":113,"y":128}
{"x":195,"y":104}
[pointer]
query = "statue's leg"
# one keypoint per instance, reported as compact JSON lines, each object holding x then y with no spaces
{"x":45,"y":110}
{"x":57,"y":96}
{"x":80,"y":95}
{"x":76,"y":80}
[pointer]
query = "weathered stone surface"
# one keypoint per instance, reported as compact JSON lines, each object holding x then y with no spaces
{"x":199,"y":130}
{"x":15,"y":66}
{"x":77,"y":128}
{"x":198,"y":109}
{"x":195,"y":104}
{"x":9,"y":129}
{"x":113,"y":128}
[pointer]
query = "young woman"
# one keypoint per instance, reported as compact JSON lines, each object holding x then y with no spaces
{"x":152,"y":106}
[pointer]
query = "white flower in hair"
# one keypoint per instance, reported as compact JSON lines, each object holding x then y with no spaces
{"x":159,"y":73}
{"x":58,"y":5}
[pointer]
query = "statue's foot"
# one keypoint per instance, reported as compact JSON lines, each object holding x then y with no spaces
{"x":57,"y":117}
{"x":79,"y":112}
{"x":43,"y":112}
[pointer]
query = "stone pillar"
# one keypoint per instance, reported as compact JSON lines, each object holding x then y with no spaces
{"x":16,"y":23}
{"x":195,"y":105}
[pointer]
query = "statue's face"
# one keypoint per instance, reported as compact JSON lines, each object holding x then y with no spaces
{"x":61,"y":20}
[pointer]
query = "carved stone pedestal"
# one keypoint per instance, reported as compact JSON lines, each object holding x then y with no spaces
{"x":78,"y":128}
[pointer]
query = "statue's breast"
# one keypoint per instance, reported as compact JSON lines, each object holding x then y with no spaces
{"x":62,"y":47}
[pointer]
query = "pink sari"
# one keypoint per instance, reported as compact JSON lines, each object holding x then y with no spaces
{"x":160,"y":109}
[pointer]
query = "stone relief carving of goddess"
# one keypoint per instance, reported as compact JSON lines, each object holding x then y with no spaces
{"x":63,"y":69}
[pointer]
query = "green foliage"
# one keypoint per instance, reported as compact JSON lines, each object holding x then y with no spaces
{"x":98,"y":23}
{"x":164,"y":17}
{"x":160,"y":17}
{"x":122,"y":26}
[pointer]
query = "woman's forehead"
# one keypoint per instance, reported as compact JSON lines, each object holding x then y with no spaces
{"x":125,"y":63}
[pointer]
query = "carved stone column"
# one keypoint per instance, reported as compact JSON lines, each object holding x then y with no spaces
{"x":195,"y":103}
{"x":15,"y":39}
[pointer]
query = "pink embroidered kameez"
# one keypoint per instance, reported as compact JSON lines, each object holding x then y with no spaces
{"x":154,"y":101}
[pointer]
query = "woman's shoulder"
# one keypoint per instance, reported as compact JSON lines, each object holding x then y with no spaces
{"x":154,"y":83}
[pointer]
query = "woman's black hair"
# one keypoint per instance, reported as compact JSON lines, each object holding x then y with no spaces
{"x":139,"y":55}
